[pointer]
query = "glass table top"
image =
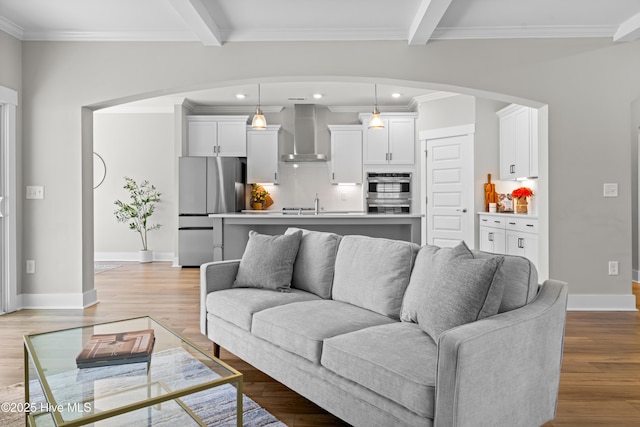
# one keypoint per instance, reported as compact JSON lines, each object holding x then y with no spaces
{"x":176,"y":368}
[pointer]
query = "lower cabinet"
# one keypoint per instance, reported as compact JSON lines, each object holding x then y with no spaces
{"x":502,"y":234}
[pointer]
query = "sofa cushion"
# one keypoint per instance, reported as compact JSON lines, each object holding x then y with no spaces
{"x":424,"y":270}
{"x":301,"y":327}
{"x":239,"y":305}
{"x":315,"y":263}
{"x":267,"y":261}
{"x":397,"y":361}
{"x":463,"y":291}
{"x":373,"y":273}
{"x":520,"y":279}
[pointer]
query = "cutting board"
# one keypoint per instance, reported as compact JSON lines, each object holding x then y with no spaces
{"x":490,"y":195}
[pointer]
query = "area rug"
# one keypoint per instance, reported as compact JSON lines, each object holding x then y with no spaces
{"x":100,"y":268}
{"x":215,"y":407}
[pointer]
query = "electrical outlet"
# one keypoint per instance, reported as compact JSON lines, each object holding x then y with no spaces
{"x":35,"y":192}
{"x":610,"y":189}
{"x":613,"y":268}
{"x":31,"y":266}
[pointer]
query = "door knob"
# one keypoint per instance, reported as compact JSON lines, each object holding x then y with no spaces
{"x":463,"y":210}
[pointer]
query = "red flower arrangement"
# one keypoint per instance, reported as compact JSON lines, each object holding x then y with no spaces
{"x":522,"y":192}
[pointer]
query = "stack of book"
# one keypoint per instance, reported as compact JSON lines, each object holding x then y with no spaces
{"x":116,"y":349}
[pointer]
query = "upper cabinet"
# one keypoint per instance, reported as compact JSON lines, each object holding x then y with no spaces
{"x":224,"y":136}
{"x":346,"y":154}
{"x":392,"y":145}
{"x":518,"y":142}
{"x":262,"y":154}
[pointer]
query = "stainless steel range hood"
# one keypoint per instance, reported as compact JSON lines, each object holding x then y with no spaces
{"x":304,"y":138}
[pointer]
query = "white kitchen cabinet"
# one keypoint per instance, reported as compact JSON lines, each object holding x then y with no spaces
{"x":262,"y":155}
{"x":492,"y":235}
{"x":392,"y":145}
{"x":224,"y":136}
{"x":510,"y":235}
{"x":518,"y":142}
{"x":346,"y":154}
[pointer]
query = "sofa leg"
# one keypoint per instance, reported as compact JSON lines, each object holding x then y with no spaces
{"x":216,"y":350}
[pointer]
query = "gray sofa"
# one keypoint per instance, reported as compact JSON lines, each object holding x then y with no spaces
{"x":385,"y":333}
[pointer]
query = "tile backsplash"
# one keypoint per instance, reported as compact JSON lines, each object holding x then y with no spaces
{"x":298,"y":184}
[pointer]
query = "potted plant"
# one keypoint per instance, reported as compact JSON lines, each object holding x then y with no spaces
{"x":520,"y":196}
{"x":258,"y":197}
{"x":143,"y":196}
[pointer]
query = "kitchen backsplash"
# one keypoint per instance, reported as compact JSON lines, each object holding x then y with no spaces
{"x":506,"y":187}
{"x":298,"y":184}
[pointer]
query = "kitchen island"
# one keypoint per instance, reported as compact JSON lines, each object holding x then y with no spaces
{"x":231,"y":230}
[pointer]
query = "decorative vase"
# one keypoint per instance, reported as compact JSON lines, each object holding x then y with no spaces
{"x":145,"y":256}
{"x":521,"y":205}
{"x":257,"y":206}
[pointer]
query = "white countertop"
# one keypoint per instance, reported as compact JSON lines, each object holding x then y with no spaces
{"x":509,"y":215}
{"x":265,"y":214}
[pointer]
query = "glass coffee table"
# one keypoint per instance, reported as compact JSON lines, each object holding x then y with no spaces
{"x":181,"y":384}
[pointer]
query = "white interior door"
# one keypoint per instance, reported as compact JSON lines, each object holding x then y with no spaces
{"x":449,"y":190}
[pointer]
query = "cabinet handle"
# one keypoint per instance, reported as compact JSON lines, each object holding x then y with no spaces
{"x":497,"y":222}
{"x":512,"y":168}
{"x":390,"y":156}
{"x":491,"y":237}
{"x":529,"y":225}
{"x":386,"y":156}
{"x":484,"y":220}
{"x":333,"y":176}
{"x":520,"y":243}
{"x":275,"y":176}
{"x":512,"y":223}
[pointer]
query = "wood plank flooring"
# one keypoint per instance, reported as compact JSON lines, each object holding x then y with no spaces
{"x":599,"y":386}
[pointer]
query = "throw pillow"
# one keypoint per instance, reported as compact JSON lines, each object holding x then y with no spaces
{"x":267,"y":261}
{"x":463,"y":291}
{"x":315,"y":264}
{"x":428,"y":261}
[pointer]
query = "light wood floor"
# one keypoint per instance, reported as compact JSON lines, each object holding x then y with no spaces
{"x":599,"y":386}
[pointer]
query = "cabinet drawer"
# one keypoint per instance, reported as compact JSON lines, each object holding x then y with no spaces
{"x":492,"y":221}
{"x":524,"y":225}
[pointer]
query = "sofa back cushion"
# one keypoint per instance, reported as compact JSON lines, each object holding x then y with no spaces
{"x":520,"y":279}
{"x":373,"y":273}
{"x":314,"y":267}
{"x":428,"y":261}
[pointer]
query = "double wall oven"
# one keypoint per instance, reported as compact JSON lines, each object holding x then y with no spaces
{"x":389,"y":192}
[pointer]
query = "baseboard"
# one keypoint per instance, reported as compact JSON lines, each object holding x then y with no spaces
{"x":131,"y":256}
{"x":59,"y":301}
{"x":602,"y":303}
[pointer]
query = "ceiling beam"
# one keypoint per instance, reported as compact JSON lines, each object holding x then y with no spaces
{"x":199,"y":20}
{"x":629,"y":30}
{"x":428,"y":15}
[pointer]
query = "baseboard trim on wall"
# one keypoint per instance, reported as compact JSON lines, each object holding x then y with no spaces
{"x":602,"y":303}
{"x":59,"y":301}
{"x":131,"y":256}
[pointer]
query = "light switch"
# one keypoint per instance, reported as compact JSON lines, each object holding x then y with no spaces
{"x":35,"y":192}
{"x":611,"y":190}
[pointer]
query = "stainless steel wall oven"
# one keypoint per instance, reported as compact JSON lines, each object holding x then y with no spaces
{"x":389,"y":192}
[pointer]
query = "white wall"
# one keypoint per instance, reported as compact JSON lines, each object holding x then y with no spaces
{"x":589,"y":122}
{"x":140,"y":146}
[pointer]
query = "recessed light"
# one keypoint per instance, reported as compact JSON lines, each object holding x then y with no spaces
{"x":241,"y":96}
{"x":317,"y":95}
{"x":395,"y":95}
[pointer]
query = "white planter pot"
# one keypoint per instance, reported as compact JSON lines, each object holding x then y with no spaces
{"x":146,"y":256}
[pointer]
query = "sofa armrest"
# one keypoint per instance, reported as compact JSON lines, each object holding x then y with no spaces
{"x":215,"y":276}
{"x":503,"y":370}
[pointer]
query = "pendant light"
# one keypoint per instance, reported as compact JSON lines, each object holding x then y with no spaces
{"x":259,"y":122}
{"x":376,"y":121}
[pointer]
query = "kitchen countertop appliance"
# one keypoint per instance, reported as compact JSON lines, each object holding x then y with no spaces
{"x":206,"y":185}
{"x":389,"y":192}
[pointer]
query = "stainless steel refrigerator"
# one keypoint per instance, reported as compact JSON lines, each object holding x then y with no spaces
{"x":206,"y":185}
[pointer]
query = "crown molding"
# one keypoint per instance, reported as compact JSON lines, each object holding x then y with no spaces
{"x":579,"y":31}
{"x":234,"y":109}
{"x":110,"y":36}
{"x":430,"y":97}
{"x":11,"y":28}
{"x":363,"y":109}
